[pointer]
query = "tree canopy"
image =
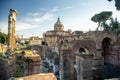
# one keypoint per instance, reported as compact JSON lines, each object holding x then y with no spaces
{"x":101,"y":17}
{"x":117,"y":4}
{"x":113,"y":25}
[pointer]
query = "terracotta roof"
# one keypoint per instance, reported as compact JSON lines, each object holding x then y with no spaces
{"x":41,"y":76}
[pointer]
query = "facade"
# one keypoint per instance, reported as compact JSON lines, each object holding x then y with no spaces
{"x":76,"y":49}
{"x":34,"y":41}
{"x":11,"y":29}
{"x":53,"y":37}
{"x":104,"y":46}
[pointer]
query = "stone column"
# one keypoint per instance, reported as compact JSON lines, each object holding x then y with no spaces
{"x":84,"y":66}
{"x":11,"y":28}
{"x":67,"y":65}
{"x":97,"y":65}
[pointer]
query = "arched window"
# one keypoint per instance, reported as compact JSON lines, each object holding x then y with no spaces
{"x":81,"y":50}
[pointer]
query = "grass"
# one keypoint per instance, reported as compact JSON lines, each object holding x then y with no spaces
{"x":27,"y":52}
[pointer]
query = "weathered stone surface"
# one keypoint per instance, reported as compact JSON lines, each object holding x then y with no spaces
{"x":41,"y":76}
{"x":33,"y":64}
{"x":98,"y":62}
{"x":11,"y":29}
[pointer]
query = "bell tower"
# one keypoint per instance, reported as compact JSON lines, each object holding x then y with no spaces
{"x":11,"y":28}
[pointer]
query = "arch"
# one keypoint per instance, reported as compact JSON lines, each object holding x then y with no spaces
{"x":81,"y":50}
{"x":106,"y":46}
{"x":106,"y":35}
{"x":84,"y":45}
{"x":106,"y":42}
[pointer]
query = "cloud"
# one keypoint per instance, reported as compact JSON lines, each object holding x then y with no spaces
{"x":35,"y":14}
{"x":32,"y":20}
{"x":20,"y":25}
{"x":68,"y":7}
{"x":36,"y":20}
{"x":54,"y":9}
{"x":28,"y":22}
{"x":4,"y":26}
{"x":40,"y":19}
{"x":24,"y":25}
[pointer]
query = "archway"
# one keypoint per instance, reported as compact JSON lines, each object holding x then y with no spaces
{"x":109,"y":69}
{"x":106,"y":43}
{"x":81,"y":50}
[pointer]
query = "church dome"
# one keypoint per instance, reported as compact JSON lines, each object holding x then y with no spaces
{"x":58,"y":26}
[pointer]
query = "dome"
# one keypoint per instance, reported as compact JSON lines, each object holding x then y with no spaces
{"x":58,"y":25}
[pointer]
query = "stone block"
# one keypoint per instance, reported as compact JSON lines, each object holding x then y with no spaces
{"x":86,"y":73}
{"x":97,"y":62}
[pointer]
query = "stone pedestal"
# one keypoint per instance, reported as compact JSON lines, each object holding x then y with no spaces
{"x":33,"y":64}
{"x":84,"y":66}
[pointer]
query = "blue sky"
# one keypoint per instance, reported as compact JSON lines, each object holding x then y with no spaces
{"x":38,"y":16}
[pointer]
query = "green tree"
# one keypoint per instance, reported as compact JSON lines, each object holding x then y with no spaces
{"x":117,"y":4}
{"x":27,"y":42}
{"x":106,"y":26}
{"x":101,"y":17}
{"x":113,"y":25}
{"x":3,"y":38}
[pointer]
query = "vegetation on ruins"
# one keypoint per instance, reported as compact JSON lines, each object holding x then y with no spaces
{"x":3,"y":37}
{"x":117,"y":4}
{"x":106,"y":21}
{"x":27,"y":42}
{"x":113,"y":25}
{"x":101,"y":18}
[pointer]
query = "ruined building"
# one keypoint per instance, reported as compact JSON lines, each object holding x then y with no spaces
{"x":11,"y":28}
{"x":85,"y":56}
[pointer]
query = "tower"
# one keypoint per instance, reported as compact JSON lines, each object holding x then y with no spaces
{"x":58,"y":26}
{"x":11,"y":28}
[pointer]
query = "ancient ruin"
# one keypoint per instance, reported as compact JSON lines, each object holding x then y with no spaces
{"x":11,"y":28}
{"x":63,"y":55}
{"x":84,"y":53}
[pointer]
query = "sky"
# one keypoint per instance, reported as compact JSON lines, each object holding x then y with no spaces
{"x":38,"y":16}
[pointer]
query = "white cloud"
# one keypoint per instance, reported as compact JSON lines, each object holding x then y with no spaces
{"x":39,"y":19}
{"x":54,"y":9}
{"x":35,"y":14}
{"x":28,"y":22}
{"x":47,"y":16}
{"x":33,"y":20}
{"x":4,"y":27}
{"x":20,"y":25}
{"x":68,"y":7}
{"x":23,"y":25}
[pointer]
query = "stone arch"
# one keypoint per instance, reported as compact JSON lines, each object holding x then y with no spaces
{"x":99,"y":39}
{"x":87,"y":45}
{"x":81,"y":50}
{"x":106,"y":42}
{"x":106,"y":46}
